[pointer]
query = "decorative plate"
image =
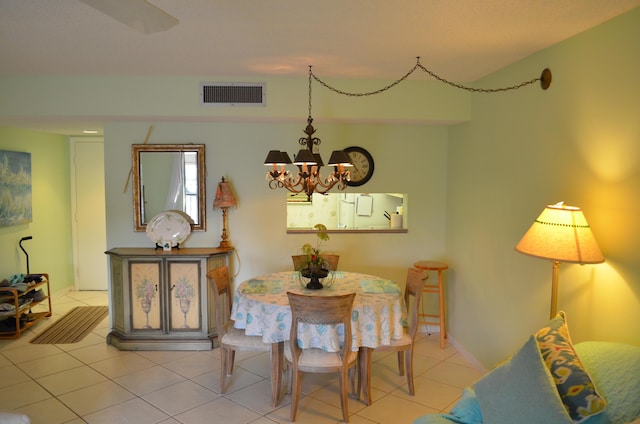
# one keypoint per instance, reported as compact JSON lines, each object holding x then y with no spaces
{"x":168,"y":227}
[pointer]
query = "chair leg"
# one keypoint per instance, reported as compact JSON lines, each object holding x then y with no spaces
{"x":353,"y":374}
{"x":231,"y":361}
{"x":288,"y":369}
{"x":295,"y":391}
{"x":223,"y":367}
{"x":344,"y":403}
{"x":409,"y":364}
{"x":401,"y":363}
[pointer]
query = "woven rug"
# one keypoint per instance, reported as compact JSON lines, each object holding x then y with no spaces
{"x":73,"y":326}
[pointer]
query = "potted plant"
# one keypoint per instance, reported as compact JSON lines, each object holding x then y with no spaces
{"x":314,"y":260}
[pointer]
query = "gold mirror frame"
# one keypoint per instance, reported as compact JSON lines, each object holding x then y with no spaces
{"x":136,"y":150}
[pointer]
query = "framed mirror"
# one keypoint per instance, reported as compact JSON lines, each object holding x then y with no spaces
{"x":169,"y":177}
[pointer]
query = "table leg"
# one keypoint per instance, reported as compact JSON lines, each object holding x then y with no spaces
{"x":277,"y":358}
{"x":364,"y":380}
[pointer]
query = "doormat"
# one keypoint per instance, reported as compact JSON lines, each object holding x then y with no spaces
{"x":73,"y":326}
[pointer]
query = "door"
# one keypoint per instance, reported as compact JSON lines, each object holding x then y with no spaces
{"x":88,"y":209}
{"x":146,"y":296}
{"x":184,"y":285}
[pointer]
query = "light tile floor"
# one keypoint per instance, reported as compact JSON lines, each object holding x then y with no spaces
{"x":93,"y":382}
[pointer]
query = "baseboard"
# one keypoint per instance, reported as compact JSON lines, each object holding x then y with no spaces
{"x":430,"y":329}
{"x":466,"y":355}
{"x":435,"y":329}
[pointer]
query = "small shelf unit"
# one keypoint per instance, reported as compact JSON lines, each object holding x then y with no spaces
{"x":21,"y":312}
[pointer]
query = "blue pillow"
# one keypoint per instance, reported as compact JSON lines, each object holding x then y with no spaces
{"x":576,"y":389}
{"x":521,"y":390}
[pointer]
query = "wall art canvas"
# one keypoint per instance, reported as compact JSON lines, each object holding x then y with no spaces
{"x":15,"y":188}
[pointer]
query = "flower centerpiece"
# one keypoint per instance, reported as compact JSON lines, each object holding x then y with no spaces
{"x":314,"y":260}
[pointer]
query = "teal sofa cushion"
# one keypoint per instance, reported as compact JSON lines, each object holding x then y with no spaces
{"x":615,"y":368}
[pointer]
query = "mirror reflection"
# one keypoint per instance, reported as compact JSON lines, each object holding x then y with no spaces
{"x":169,"y":177}
{"x":348,"y":211}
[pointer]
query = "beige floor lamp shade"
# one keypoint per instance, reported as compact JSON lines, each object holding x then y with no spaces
{"x":560,"y":234}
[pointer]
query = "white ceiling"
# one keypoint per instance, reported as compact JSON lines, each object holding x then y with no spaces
{"x":460,"y":40}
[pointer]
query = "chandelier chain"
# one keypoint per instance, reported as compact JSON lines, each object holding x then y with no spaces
{"x":310,"y":73}
{"x":418,"y":65}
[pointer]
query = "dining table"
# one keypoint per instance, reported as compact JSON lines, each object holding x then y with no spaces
{"x":261,"y":308}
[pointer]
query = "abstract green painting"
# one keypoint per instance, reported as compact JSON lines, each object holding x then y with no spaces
{"x":15,"y":188}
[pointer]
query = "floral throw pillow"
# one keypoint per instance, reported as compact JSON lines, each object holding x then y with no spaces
{"x":574,"y":384}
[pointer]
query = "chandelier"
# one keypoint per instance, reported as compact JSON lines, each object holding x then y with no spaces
{"x":308,"y":160}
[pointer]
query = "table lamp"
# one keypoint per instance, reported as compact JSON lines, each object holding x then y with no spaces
{"x":561,"y":234}
{"x":224,"y":199}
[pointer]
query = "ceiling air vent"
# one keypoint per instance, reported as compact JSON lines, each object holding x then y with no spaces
{"x":232,"y":94}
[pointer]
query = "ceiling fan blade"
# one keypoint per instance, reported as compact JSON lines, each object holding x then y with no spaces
{"x":137,"y":14}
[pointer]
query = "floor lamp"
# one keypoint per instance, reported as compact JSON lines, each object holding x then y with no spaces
{"x":561,"y":234}
{"x":224,"y":200}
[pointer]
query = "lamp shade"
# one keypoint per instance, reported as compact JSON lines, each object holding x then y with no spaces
{"x":304,"y":156}
{"x":339,"y":157}
{"x":561,"y":233}
{"x":274,"y":157}
{"x":224,"y":196}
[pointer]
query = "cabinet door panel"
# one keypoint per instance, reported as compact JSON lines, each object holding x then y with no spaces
{"x":184,"y":282}
{"x":145,"y":296}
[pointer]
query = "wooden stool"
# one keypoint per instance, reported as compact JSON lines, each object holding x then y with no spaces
{"x":435,"y":288}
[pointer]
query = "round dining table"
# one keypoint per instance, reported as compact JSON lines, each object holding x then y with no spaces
{"x":261,"y":308}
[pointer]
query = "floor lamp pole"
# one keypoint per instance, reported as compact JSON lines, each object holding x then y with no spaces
{"x":554,"y":288}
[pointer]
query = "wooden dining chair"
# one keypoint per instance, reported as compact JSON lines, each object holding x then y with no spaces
{"x":320,"y":310}
{"x":330,"y":261}
{"x":299,"y":261}
{"x":404,"y":345}
{"x":233,"y":339}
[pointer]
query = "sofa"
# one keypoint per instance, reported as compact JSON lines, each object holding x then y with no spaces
{"x":549,"y":380}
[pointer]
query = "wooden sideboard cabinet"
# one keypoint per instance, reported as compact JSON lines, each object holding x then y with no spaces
{"x":160,"y":300}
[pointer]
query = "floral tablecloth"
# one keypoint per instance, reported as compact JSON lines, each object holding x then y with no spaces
{"x":261,"y":308}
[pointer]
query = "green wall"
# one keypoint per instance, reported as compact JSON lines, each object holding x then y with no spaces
{"x":577,"y":142}
{"x":50,"y":249}
{"x":409,"y":159}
